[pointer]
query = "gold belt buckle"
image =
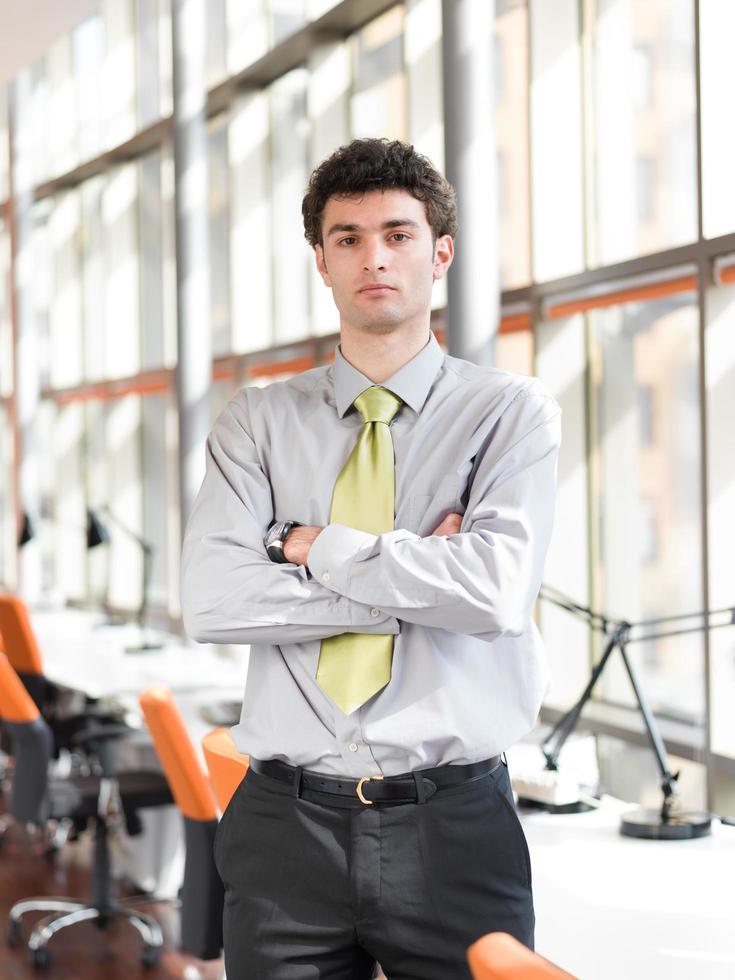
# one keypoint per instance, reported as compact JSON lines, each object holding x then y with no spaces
{"x":365,"y":779}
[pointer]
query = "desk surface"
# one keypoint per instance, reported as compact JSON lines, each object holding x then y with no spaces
{"x":610,"y":907}
{"x":83,"y":655}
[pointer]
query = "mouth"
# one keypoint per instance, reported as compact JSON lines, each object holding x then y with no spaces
{"x":377,"y":289}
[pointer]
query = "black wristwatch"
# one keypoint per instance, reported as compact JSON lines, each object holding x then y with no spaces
{"x":275,"y":539}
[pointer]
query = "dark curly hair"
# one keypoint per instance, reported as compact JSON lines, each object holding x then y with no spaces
{"x":379,"y":165}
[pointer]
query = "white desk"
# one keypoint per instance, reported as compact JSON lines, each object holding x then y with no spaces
{"x":81,"y":655}
{"x":610,"y":907}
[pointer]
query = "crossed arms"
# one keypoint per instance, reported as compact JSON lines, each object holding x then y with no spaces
{"x":480,"y":578}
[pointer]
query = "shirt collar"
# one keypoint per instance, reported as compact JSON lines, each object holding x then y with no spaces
{"x":411,"y":382}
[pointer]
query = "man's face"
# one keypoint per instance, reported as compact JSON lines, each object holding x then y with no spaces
{"x":379,"y":259}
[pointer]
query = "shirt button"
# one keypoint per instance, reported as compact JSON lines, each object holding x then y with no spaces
{"x":326,"y":577}
{"x":352,"y":747}
{"x":374,"y":613}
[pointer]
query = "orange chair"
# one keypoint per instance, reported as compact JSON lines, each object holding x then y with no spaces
{"x":226,"y":765}
{"x":67,"y":713}
{"x":21,"y":649}
{"x":498,"y":956}
{"x":202,"y":896}
{"x":36,"y":799}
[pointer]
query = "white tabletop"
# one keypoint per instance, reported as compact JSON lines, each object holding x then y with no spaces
{"x":609,"y":906}
{"x":81,"y":653}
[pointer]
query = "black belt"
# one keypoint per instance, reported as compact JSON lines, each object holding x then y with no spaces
{"x":411,"y":787}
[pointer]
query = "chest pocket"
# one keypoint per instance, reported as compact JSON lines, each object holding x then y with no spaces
{"x":427,"y":511}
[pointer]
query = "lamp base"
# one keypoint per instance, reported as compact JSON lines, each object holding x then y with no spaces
{"x":144,"y":647}
{"x":650,"y":825}
{"x":578,"y":806}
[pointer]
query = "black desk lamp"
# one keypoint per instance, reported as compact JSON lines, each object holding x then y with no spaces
{"x":26,"y":532}
{"x":96,"y":533}
{"x":147,"y":548}
{"x":668,"y":823}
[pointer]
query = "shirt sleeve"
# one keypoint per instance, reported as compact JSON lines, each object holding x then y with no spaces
{"x":483,"y":580}
{"x":231,"y":592}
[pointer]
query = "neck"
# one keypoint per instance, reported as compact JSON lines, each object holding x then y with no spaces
{"x":379,"y":356}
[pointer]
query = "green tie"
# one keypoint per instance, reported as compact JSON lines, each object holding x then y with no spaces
{"x":354,"y":666}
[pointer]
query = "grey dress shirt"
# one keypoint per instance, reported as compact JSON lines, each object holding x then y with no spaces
{"x":469,"y":668}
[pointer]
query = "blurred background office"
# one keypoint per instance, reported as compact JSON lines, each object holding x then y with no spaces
{"x":152,"y":261}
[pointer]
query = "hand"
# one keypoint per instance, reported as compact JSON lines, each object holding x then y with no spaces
{"x":298,"y":542}
{"x":450,"y":525}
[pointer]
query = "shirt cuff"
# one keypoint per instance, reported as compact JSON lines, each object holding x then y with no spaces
{"x":333,"y":552}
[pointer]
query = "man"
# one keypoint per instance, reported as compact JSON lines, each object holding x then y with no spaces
{"x":393,"y":653}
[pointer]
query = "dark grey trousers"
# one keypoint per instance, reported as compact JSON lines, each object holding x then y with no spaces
{"x":315,"y":891}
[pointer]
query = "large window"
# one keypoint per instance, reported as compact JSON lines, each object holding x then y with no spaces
{"x":646,"y":500}
{"x":644,"y":143}
{"x":511,"y":122}
{"x":599,"y":149}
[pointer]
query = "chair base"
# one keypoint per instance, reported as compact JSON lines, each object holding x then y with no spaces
{"x":67,"y":912}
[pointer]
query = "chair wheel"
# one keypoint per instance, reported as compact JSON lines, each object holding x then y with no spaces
{"x":41,"y":957}
{"x":14,"y":934}
{"x":150,"y":955}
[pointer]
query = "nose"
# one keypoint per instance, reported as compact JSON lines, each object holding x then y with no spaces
{"x":374,"y":256}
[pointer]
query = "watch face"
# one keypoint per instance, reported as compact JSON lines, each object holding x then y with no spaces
{"x":275,"y":533}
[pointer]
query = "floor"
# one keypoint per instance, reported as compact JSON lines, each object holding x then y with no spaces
{"x":83,"y":952}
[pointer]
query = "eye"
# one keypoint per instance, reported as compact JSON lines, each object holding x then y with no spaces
{"x":347,"y":241}
{"x":400,"y":236}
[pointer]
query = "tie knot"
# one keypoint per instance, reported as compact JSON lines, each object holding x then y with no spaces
{"x":377,"y":405}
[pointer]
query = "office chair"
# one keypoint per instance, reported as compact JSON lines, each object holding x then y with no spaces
{"x":20,"y":647}
{"x":65,"y":712}
{"x":226,"y":765}
{"x":202,"y":894}
{"x":499,"y":956}
{"x":99,"y":797}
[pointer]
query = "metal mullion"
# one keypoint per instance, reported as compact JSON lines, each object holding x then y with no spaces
{"x":11,"y":225}
{"x":704,"y":274}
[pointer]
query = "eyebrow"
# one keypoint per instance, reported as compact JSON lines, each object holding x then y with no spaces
{"x":393,"y":223}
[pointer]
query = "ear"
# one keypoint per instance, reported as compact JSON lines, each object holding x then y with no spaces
{"x":443,"y":255}
{"x":321,"y":265}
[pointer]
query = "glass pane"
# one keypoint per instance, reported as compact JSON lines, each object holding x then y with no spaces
{"x":148,"y":54}
{"x":68,"y":517}
{"x":251,"y":270}
{"x":7,"y":503}
{"x":720,"y":375}
{"x":88,"y":43}
{"x":93,"y":278}
{"x":247,"y":32}
{"x":717,"y":83}
{"x":379,"y":94}
{"x":219,"y":234}
{"x":289,"y":175}
{"x":646,"y":491}
{"x":123,"y":457}
{"x":328,"y":101}
{"x":644,"y":131}
{"x":151,"y":261}
{"x":62,"y":108}
{"x":422,"y":53}
{"x":6,"y":330}
{"x":286,"y":17}
{"x":157,"y":510}
{"x":511,"y":127}
{"x":216,"y":43}
{"x":65,"y":320}
{"x":119,"y":72}
{"x":556,"y":138}
{"x":514,"y":351}
{"x":561,"y":363}
{"x":4,"y":144}
{"x":120,"y":208}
